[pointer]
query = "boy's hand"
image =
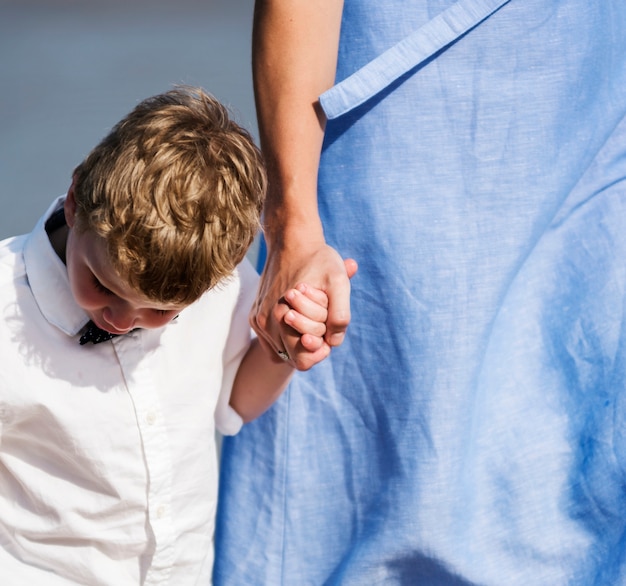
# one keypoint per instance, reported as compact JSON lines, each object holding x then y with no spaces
{"x":307,"y":315}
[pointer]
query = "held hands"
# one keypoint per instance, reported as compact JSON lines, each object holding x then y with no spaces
{"x":307,"y":315}
{"x":301,"y":325}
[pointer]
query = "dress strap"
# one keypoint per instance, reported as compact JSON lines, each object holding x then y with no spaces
{"x":379,"y":73}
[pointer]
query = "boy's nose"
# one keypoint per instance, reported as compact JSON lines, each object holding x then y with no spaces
{"x":120,"y":319}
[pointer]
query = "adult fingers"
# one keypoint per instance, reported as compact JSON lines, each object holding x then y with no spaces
{"x":339,"y":305}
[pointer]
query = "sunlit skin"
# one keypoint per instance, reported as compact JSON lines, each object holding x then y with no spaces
{"x":107,"y":299}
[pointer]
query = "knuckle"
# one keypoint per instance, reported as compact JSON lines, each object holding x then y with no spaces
{"x":341,"y":322}
{"x":278,"y":312}
{"x":303,"y":365}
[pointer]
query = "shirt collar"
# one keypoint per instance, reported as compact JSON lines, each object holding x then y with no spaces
{"x":48,"y":280}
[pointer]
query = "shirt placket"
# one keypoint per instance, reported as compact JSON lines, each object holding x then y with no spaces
{"x":157,"y":454}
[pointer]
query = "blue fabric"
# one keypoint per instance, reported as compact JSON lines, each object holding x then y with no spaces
{"x":472,"y":428}
{"x":379,"y":73}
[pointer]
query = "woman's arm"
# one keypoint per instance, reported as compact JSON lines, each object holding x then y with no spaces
{"x":295,"y":45}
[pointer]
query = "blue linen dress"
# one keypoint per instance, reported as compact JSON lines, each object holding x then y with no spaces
{"x":472,"y":428}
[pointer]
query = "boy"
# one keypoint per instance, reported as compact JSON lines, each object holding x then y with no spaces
{"x":108,"y":472}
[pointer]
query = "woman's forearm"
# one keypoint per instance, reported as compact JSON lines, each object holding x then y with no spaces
{"x":295,"y":45}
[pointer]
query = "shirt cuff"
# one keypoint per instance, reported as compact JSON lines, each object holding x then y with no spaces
{"x":228,"y":421}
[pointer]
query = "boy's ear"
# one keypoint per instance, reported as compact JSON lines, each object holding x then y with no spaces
{"x":70,"y":206}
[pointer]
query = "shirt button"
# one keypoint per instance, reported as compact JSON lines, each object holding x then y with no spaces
{"x":160,"y":512}
{"x":151,"y":418}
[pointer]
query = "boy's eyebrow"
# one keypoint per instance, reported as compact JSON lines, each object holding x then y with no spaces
{"x":156,"y":305}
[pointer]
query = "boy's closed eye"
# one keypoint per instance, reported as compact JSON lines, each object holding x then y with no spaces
{"x":106,"y":291}
{"x":100,"y":287}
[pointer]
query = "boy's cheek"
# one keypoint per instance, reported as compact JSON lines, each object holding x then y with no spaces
{"x":87,"y":299}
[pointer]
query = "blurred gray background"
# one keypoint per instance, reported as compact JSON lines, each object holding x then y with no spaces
{"x":70,"y":69}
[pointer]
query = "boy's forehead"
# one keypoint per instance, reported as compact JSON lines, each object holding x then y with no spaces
{"x":102,"y":267}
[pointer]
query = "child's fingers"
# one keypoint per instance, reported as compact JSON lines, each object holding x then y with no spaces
{"x":311,"y":343}
{"x":303,"y":324}
{"x":309,"y":357}
{"x":312,"y":303}
{"x":314,"y":294}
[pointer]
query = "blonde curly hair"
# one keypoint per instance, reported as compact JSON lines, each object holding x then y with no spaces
{"x":176,"y":190}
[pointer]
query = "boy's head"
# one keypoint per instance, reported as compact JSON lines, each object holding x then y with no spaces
{"x":175,"y":193}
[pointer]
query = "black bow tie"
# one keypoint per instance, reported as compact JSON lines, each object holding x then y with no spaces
{"x":95,"y":335}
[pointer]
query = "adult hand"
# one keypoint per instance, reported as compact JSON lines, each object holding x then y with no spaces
{"x":318,"y":266}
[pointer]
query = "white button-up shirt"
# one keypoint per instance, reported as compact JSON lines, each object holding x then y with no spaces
{"x":108,"y":467}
